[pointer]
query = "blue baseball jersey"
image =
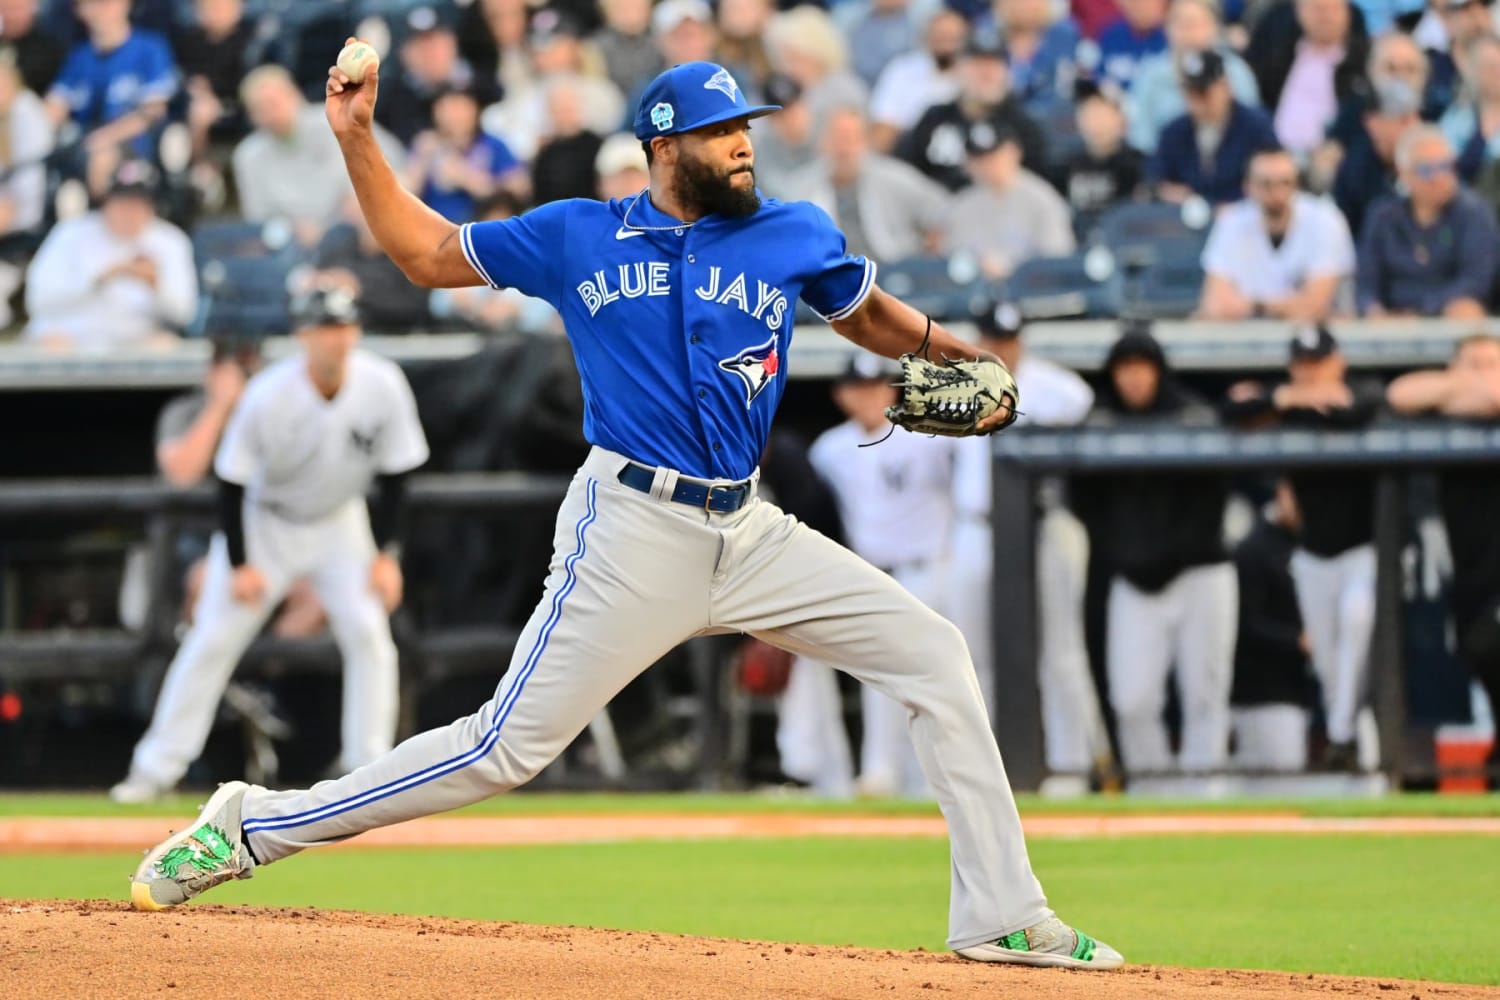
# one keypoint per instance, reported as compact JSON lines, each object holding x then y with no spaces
{"x":680,"y":332}
{"x":99,"y":87}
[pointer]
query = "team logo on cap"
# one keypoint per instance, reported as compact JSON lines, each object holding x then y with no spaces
{"x":756,"y":367}
{"x":662,"y":116}
{"x":724,"y":84}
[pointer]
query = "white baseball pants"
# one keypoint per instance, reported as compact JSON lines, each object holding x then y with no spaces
{"x":1073,"y":731}
{"x":1337,"y":599}
{"x":634,"y":575}
{"x":1270,"y":737}
{"x":334,"y":553}
{"x":810,"y":729}
{"x":1191,"y":622}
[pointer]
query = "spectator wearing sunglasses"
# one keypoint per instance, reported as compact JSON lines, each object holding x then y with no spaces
{"x":1433,"y":250}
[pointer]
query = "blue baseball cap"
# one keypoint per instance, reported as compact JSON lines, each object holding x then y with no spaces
{"x":691,"y":96}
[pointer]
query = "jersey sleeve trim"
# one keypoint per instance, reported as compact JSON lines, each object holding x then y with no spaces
{"x":865,"y":285}
{"x":466,"y":241}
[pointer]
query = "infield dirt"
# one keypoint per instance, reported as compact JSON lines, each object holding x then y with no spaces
{"x":103,"y":949}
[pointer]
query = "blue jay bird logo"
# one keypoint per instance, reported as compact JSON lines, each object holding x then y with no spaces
{"x":756,"y":367}
{"x":724,"y":84}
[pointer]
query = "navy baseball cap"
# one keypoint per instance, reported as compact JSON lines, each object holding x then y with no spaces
{"x":324,"y":306}
{"x":1312,"y":342}
{"x":691,"y":96}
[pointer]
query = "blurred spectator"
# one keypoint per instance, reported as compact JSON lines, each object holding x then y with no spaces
{"x":1105,"y":170}
{"x":620,"y":167}
{"x":1040,"y":47}
{"x":807,"y":46}
{"x":114,"y":87}
{"x":1173,"y":599}
{"x":427,"y":62}
{"x":39,"y":55}
{"x":1434,"y":251}
{"x":1460,"y":22}
{"x":454,"y":165}
{"x":886,"y":208}
{"x":1156,"y":96}
{"x":884,"y":30}
{"x":1072,"y":723}
{"x":213,"y":55}
{"x":564,"y":165}
{"x":1468,"y":389}
{"x":501,"y":309}
{"x":25,"y":140}
{"x":1280,"y":253}
{"x":742,"y":43}
{"x":625,"y":43}
{"x":1472,"y":124}
{"x":349,"y":258}
{"x":1269,"y":701}
{"x":936,"y":146}
{"x":1367,"y":169}
{"x":492,"y":39}
{"x":559,"y":58}
{"x":1306,"y":55}
{"x":1009,"y":214}
{"x":917,"y":80}
{"x":115,"y":277}
{"x":1334,"y":566}
{"x":784,"y":141}
{"x":1140,"y":31}
{"x":1396,"y":65}
{"x":1206,"y":151}
{"x":290,"y":166}
{"x":684,"y":32}
{"x":1093,"y":16}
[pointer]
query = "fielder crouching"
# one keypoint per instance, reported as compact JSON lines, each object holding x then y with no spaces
{"x":309,"y":435}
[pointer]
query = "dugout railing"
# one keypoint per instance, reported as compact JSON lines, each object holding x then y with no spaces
{"x":429,"y":655}
{"x":1025,"y":457}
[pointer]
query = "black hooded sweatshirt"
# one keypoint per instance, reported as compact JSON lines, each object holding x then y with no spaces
{"x":1151,"y":525}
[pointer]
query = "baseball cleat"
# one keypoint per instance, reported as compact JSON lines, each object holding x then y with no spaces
{"x":1049,"y":943}
{"x":210,"y":851}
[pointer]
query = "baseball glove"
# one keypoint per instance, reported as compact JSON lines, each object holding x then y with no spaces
{"x":952,"y":397}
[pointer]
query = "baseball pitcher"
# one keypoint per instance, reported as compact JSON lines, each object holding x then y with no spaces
{"x":309,"y":435}
{"x":678,"y":303}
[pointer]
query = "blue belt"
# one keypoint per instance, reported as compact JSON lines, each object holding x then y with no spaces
{"x":719,"y":499}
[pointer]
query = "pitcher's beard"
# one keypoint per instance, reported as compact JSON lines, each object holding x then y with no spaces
{"x":713,"y":193}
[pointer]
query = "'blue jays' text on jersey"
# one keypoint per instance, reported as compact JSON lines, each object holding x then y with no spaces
{"x":99,"y":87}
{"x":680,"y":332}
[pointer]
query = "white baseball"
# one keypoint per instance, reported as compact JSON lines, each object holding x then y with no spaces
{"x":357,"y":59}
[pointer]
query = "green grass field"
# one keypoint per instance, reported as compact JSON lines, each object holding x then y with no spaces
{"x":1407,"y":906}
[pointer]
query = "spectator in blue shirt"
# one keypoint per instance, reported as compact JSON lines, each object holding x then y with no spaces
{"x":454,"y":165}
{"x":1207,"y":151}
{"x":1156,"y":94}
{"x":1140,"y":32}
{"x":1040,"y":48}
{"x":1434,"y":252}
{"x":114,"y":87}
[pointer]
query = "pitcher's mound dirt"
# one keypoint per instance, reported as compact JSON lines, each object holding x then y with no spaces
{"x":103,"y":949}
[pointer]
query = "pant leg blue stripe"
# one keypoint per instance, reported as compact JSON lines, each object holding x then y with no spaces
{"x":502,"y":711}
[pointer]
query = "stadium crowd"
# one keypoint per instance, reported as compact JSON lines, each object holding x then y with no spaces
{"x":165,"y":170}
{"x":1338,"y":156}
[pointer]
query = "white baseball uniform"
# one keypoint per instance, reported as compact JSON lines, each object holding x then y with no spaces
{"x":897,"y":510}
{"x":305,"y":462}
{"x":1072,"y":721}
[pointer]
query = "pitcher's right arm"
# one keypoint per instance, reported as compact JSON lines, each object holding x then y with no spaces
{"x":421,"y":242}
